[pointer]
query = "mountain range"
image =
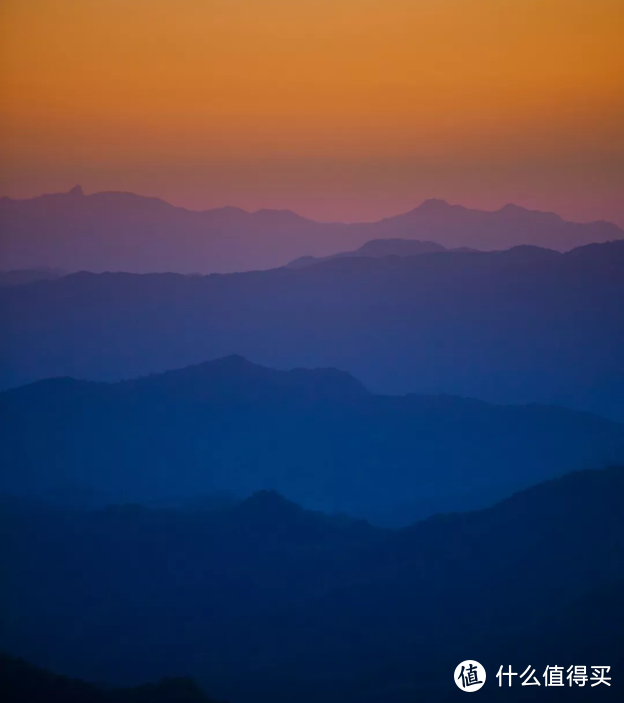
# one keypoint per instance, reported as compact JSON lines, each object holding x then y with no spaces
{"x":20,"y":277}
{"x":127,"y":232}
{"x":377,"y":249}
{"x":21,"y":682}
{"x":518,"y":326}
{"x":318,"y":436}
{"x":265,"y":601}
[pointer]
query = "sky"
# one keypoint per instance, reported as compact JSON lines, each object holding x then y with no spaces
{"x":337,"y":109}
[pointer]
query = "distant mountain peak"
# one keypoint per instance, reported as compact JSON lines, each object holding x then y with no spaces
{"x":236,"y":377}
{"x":231,"y":361}
{"x":279,"y":214}
{"x":226,"y":210}
{"x":269,"y":500}
{"x":434,"y":205}
{"x":375,"y":248}
{"x":76,"y":191}
{"x":269,"y":509}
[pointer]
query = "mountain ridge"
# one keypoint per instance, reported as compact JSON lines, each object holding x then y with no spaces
{"x":235,"y":372}
{"x":231,"y":426}
{"x":125,"y":231}
{"x":353,"y":613}
{"x":510,"y":326}
{"x":376,"y":248}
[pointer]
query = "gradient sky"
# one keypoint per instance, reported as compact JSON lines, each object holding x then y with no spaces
{"x":339,"y":109}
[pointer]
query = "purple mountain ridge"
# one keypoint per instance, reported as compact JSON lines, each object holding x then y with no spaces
{"x":377,"y":249}
{"x":126,"y":232}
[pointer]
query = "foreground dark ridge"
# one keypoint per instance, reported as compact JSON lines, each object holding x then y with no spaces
{"x":21,"y":682}
{"x":263,"y":600}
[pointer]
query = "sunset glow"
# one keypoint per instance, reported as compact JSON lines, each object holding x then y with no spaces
{"x":344,"y":109}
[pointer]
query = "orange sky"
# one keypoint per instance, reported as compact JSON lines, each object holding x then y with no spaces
{"x":348,"y":109}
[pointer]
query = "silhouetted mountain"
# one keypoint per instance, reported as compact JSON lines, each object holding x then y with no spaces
{"x":233,"y":379}
{"x":375,"y":249}
{"x":16,"y":278}
{"x":127,"y":232}
{"x":516,"y":326}
{"x":21,"y":682}
{"x":319,"y":436}
{"x":267,"y":601}
{"x":457,"y":226}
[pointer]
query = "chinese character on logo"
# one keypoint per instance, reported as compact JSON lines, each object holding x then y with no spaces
{"x":598,"y":675}
{"x":502,"y":673}
{"x":553,"y":676}
{"x":528,"y":682}
{"x":577,"y":675}
{"x":469,"y":676}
